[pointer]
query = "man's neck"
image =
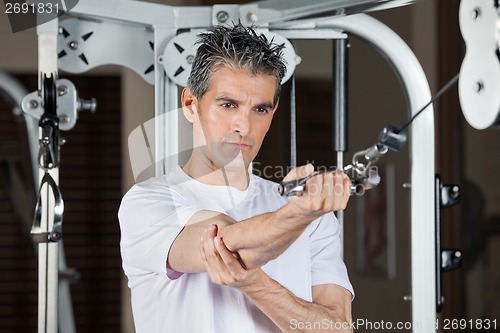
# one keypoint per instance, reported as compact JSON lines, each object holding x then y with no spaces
{"x":208,"y":173}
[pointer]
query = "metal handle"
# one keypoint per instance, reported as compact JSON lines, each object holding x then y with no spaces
{"x":361,"y":180}
{"x":37,"y":235}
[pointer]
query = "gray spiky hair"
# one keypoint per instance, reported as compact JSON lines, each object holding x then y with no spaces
{"x":235,"y":47}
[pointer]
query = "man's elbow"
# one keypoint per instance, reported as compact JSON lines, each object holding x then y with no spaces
{"x":254,"y":259}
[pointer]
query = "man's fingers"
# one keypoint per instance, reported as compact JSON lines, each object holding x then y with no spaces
{"x":209,"y":234}
{"x":221,"y":264}
{"x":329,"y":191}
{"x":213,"y":273}
{"x":207,"y":245}
{"x":299,"y":172}
{"x":314,"y":191}
{"x":347,"y":187}
{"x":214,"y":264}
{"x":229,"y":258}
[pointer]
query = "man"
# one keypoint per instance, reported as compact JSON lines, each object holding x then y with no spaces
{"x":212,"y":248}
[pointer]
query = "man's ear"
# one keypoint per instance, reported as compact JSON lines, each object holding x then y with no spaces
{"x":188,"y":104}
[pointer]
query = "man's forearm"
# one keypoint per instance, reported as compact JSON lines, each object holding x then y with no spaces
{"x":257,"y":240}
{"x":293,"y":314}
{"x":264,"y":237}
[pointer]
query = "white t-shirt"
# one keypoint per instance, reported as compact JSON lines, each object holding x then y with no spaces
{"x":154,"y":212}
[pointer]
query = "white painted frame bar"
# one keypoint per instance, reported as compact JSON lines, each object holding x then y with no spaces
{"x":422,"y":159}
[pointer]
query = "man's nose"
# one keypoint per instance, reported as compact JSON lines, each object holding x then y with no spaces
{"x":242,"y":123}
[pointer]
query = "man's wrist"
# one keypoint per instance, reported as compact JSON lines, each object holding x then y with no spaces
{"x":296,"y":215}
{"x":258,"y":285}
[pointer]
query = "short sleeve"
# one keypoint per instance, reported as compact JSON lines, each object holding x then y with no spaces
{"x":327,"y":265}
{"x":151,"y":216}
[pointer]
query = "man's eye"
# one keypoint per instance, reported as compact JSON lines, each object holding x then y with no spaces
{"x":227,"y":105}
{"x":262,"y":110}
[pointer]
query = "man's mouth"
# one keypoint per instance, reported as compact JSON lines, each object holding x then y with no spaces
{"x":240,"y":145}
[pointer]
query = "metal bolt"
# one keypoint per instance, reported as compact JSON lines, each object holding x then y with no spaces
{"x":62,"y":90}
{"x":222,"y":16}
{"x":55,"y":236}
{"x":63,"y":119}
{"x":62,"y":141}
{"x":33,"y":104}
{"x":476,"y":14}
{"x":73,"y":45}
{"x":407,"y":298}
{"x":252,"y":17}
{"x":406,"y":185}
{"x":479,"y":87}
{"x":190,"y":59}
{"x":87,"y":104}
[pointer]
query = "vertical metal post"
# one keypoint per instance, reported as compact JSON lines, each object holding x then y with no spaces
{"x":293,"y":125}
{"x":166,"y":143}
{"x":66,"y":320}
{"x":417,"y":91}
{"x":48,"y":269}
{"x":339,"y":93}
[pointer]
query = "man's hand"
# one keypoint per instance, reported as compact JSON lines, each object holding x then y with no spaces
{"x":325,"y":192}
{"x":223,"y":266}
{"x":279,"y":304}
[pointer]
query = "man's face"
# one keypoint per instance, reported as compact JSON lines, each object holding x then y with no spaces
{"x":232,"y":118}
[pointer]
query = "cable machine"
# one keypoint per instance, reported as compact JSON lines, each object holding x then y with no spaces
{"x":161,"y":38}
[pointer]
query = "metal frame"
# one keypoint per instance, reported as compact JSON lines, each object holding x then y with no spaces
{"x":285,"y":17}
{"x":17,"y":92}
{"x":48,"y":252}
{"x":418,"y":93}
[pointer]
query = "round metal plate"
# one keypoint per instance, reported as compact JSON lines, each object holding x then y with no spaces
{"x":479,"y":85}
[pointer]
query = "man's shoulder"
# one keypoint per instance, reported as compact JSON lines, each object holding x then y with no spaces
{"x":153,"y":184}
{"x":156,"y":194}
{"x":158,"y":186}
